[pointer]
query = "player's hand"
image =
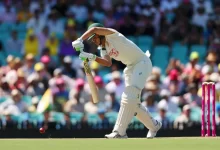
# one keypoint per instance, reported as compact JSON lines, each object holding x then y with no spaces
{"x":83,"y":56}
{"x":78,"y":44}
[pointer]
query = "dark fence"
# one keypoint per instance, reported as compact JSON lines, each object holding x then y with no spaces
{"x":91,"y":133}
{"x":91,"y":130}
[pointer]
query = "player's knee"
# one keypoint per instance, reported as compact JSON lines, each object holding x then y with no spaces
{"x":131,"y":93}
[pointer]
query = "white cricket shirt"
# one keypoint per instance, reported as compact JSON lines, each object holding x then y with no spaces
{"x":122,"y":49}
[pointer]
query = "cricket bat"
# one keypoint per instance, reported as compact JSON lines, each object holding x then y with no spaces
{"x":91,"y":82}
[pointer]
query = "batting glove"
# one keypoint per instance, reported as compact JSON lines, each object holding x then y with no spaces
{"x":78,"y":44}
{"x":84,"y":56}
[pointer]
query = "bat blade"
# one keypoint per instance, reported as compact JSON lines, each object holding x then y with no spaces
{"x":91,"y":82}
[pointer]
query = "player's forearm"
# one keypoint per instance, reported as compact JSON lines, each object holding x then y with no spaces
{"x":87,"y":34}
{"x":97,"y":30}
{"x":104,"y":61}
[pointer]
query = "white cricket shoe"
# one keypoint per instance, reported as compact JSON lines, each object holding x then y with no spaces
{"x":115,"y":135}
{"x":152,"y":134}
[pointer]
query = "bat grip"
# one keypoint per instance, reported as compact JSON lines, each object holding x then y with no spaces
{"x":87,"y":60}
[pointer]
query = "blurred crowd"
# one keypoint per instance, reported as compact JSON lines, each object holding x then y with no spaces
{"x":42,"y":80}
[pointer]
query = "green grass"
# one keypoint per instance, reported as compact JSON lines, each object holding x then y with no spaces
{"x":111,"y":144}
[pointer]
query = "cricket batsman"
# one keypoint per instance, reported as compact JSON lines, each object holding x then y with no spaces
{"x":138,"y":68}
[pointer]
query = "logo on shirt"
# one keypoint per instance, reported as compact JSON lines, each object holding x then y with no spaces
{"x":113,"y":53}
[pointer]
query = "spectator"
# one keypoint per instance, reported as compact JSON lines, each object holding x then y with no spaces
{"x":149,"y":102}
{"x":101,"y":87}
{"x":61,"y":7}
{"x":74,"y":104}
{"x":79,"y":10}
{"x":28,"y":67}
{"x":48,"y":64}
{"x":14,"y":45}
{"x":156,"y":72}
{"x":84,"y":94}
{"x":23,"y":14}
{"x":174,"y":64}
{"x":10,"y":64}
{"x":21,"y":82}
{"x":193,"y":64}
{"x":60,"y":96}
{"x":168,"y":5}
{"x":127,"y":27}
{"x":57,"y":73}
{"x":4,"y":88}
{"x":98,"y":13}
{"x":154,"y":89}
{"x":17,"y":63}
{"x":103,"y":123}
{"x":200,"y":18}
{"x":52,"y":43}
{"x":163,"y":38}
{"x":111,"y":102}
{"x":11,"y":78}
{"x":117,"y":83}
{"x":31,"y":44}
{"x":55,"y":24}
{"x":171,"y":104}
{"x":66,"y":46}
{"x":43,"y":36}
{"x":162,"y":116}
{"x":67,"y":69}
{"x":203,"y":3}
{"x":184,"y":120}
{"x":147,"y":28}
{"x":110,"y":21}
{"x":172,"y":80}
{"x":44,"y":76}
{"x":90,"y":107}
{"x":192,"y":97}
{"x":209,"y":31}
{"x":36,"y":23}
{"x":9,"y":15}
{"x":35,"y":87}
{"x":211,"y":62}
{"x":15,"y":105}
{"x":195,"y":37}
{"x":179,"y":32}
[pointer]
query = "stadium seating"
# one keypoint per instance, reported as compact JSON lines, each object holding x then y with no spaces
{"x":196,"y":114}
{"x":21,"y":27}
{"x":27,"y":99}
{"x":111,"y":116}
{"x":2,"y":99}
{"x":14,"y":53}
{"x":160,"y":57}
{"x":57,"y":117}
{"x":93,"y":119}
{"x":133,"y":39}
{"x":180,"y":52}
{"x":76,"y":117}
{"x":20,"y":119}
{"x":145,"y":43}
{"x":2,"y":59}
{"x":35,"y":118}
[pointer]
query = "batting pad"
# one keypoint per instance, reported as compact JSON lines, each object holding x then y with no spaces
{"x":144,"y":116}
{"x":126,"y":113}
{"x":131,"y":93}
